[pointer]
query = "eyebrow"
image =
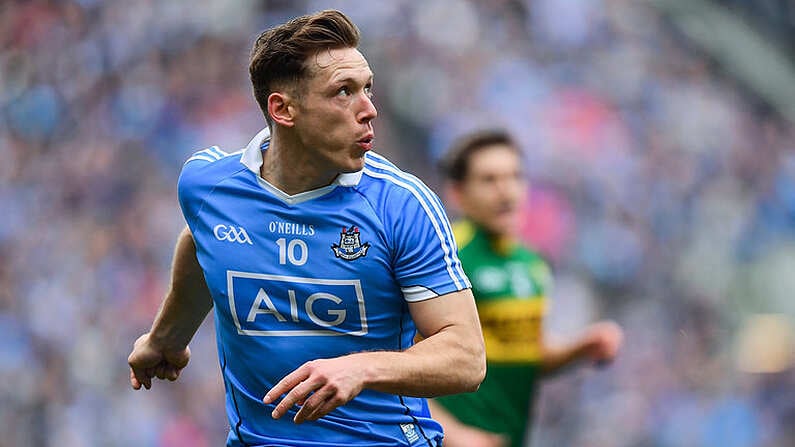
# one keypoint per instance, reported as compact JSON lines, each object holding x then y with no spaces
{"x":351,"y":80}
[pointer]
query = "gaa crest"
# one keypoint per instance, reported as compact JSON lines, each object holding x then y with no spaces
{"x":350,"y":246}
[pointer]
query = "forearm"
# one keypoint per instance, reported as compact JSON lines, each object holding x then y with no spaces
{"x":187,"y":302}
{"x":442,"y":416}
{"x":556,"y":357}
{"x":436,"y":366}
{"x":455,"y":433}
{"x":599,"y":344}
{"x":451,"y":360}
{"x":458,"y":434}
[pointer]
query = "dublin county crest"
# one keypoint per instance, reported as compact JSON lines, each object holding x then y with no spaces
{"x":350,"y":246}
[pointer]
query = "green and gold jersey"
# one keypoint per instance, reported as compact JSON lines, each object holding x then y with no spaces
{"x":510,"y":284}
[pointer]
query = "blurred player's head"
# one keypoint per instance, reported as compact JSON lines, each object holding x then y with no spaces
{"x":486,"y":180}
{"x":314,"y":86}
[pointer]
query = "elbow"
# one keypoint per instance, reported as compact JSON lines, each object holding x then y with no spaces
{"x":477,"y":379}
{"x":477,"y":369}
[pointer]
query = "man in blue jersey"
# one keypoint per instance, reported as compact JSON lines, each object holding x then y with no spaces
{"x":322,"y":261}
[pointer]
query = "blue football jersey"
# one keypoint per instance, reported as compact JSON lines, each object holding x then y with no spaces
{"x":319,"y":274}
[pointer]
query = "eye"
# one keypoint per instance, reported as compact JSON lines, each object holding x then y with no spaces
{"x":368,"y":90}
{"x":343,"y":91}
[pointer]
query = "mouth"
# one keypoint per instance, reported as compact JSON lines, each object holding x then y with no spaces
{"x":365,"y":143}
{"x":505,"y":210}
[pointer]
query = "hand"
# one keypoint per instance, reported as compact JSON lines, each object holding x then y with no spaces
{"x":603,"y":340}
{"x":318,"y":387}
{"x":147,"y":361}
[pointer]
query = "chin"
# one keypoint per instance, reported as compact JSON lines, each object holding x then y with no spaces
{"x":348,"y":166}
{"x":354,"y":165}
{"x":503,"y":227}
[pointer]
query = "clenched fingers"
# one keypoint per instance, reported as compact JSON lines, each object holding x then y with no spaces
{"x":160,"y":371}
{"x":140,"y":378}
{"x":172,"y":372}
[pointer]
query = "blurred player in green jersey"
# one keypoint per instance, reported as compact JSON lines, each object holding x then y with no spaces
{"x":510,"y":283}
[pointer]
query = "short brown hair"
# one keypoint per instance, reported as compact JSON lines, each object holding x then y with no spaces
{"x":279,"y":54}
{"x":455,"y":163}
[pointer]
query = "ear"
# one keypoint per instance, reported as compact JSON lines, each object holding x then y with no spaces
{"x":280,"y":109}
{"x":452,"y":191}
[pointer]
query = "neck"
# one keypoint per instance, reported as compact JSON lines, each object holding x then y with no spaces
{"x":499,"y":239}
{"x":501,"y":242}
{"x":288,"y":166}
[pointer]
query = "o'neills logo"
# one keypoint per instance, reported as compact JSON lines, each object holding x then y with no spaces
{"x":298,"y":229}
{"x":350,"y":246}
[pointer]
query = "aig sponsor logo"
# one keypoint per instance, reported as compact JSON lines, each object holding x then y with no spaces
{"x":276,"y":305}
{"x":231,"y":234}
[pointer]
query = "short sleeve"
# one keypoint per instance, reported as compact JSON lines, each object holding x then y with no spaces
{"x":191,"y":186}
{"x":541,"y":276}
{"x":425,"y":261}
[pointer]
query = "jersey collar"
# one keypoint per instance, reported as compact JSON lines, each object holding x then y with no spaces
{"x":252,"y":159}
{"x":252,"y":154}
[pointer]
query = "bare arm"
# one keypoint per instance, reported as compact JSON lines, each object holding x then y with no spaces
{"x":163,"y":351}
{"x":458,"y":434}
{"x":188,"y":300}
{"x":599,"y":344}
{"x":451,"y":359}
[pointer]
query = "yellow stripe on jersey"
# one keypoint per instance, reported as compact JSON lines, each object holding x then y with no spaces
{"x":463,"y":232}
{"x":512,"y":329}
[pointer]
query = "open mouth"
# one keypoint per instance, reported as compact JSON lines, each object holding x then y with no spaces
{"x":365,"y":143}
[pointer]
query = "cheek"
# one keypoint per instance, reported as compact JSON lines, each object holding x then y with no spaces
{"x":335,"y":130}
{"x":323,"y":118}
{"x":491,"y":195}
{"x":324,"y":133}
{"x":519,"y":193}
{"x":480,"y":201}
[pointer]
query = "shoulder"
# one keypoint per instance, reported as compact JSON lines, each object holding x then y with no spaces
{"x":212,"y":156}
{"x":205,"y":169}
{"x":464,"y":232}
{"x":383,"y":178}
{"x":210,"y":164}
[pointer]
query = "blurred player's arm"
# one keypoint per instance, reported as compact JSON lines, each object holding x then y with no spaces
{"x":458,"y":434}
{"x":450,"y":359}
{"x":598,"y":344}
{"x":163,"y":351}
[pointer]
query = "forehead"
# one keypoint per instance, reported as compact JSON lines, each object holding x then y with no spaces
{"x":339,"y":64}
{"x":494,"y":159}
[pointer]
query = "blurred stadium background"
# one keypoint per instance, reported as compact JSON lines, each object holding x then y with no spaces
{"x":660,"y":142}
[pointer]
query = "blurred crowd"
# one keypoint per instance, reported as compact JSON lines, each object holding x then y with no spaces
{"x":775,"y":18}
{"x":663,"y":194}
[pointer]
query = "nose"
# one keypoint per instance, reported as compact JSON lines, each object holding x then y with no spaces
{"x":509,"y":188}
{"x":368,"y":111}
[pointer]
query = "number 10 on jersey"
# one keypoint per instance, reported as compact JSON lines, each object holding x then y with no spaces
{"x":294,"y":251}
